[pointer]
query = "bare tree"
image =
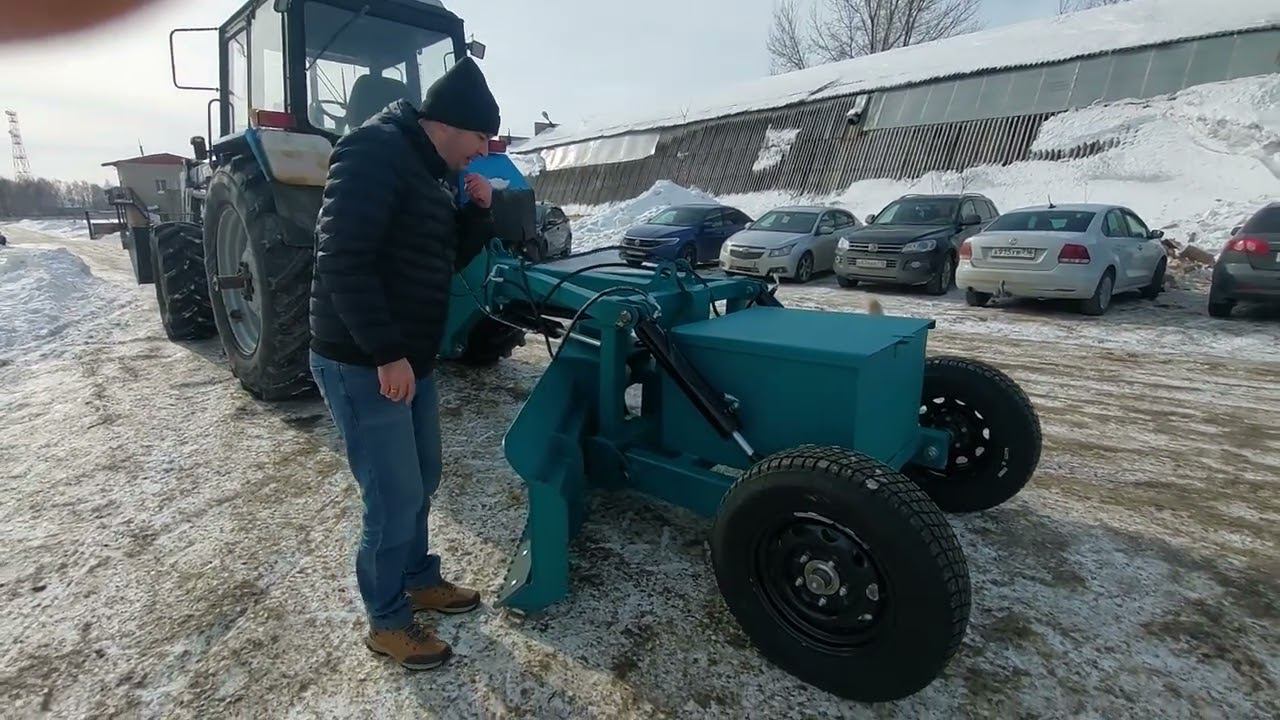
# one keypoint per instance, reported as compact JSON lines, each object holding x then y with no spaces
{"x":787,"y":45}
{"x":842,"y":29}
{"x":1070,"y":6}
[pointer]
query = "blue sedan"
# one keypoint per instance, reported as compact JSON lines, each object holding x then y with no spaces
{"x":693,"y":232}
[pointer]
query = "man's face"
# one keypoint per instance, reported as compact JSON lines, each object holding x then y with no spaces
{"x":460,"y":147}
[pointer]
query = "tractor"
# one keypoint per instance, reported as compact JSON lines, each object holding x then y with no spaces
{"x":825,"y":446}
{"x":294,"y":76}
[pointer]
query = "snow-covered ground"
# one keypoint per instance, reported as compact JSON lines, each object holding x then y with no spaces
{"x":1195,"y":164}
{"x":174,"y":548}
{"x":57,"y":227}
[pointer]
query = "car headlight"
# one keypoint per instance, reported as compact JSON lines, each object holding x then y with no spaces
{"x":783,"y":251}
{"x":920,"y":246}
{"x":843,"y":244}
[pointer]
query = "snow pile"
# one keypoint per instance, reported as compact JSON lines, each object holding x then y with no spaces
{"x":1062,"y":37}
{"x":57,"y":227}
{"x":777,"y":143}
{"x":607,"y":222}
{"x":45,"y":293}
{"x":529,"y":164}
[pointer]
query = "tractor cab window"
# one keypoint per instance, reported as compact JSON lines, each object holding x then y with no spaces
{"x":266,"y":81}
{"x":358,"y":63}
{"x":237,"y":81}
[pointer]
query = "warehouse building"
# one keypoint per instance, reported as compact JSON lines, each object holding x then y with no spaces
{"x":948,"y":105}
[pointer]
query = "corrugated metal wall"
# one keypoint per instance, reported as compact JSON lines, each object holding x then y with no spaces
{"x":828,"y":154}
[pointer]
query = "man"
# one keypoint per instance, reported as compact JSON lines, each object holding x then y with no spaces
{"x":389,"y":238}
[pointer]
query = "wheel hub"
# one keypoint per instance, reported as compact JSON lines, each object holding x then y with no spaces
{"x":969,"y":430}
{"x":821,"y":577}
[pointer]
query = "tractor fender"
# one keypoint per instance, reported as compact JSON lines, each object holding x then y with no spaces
{"x":296,"y":166}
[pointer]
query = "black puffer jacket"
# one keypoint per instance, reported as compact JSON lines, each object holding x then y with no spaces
{"x":388,"y":240}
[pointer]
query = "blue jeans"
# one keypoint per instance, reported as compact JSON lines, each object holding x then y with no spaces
{"x":394,"y":453}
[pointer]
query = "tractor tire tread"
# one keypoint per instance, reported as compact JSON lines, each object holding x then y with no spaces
{"x":182,"y":292}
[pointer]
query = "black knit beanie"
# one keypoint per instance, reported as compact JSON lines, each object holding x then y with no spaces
{"x":461,"y":98}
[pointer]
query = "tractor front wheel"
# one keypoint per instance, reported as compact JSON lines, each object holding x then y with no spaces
{"x":260,"y":285}
{"x":182,"y":293}
{"x":995,"y":435}
{"x":842,"y":572}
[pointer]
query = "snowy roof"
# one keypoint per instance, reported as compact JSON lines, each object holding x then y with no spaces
{"x":1063,"y":37}
{"x":154,"y":159}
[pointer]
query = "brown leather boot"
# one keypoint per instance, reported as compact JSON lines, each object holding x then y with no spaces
{"x":414,"y":647}
{"x":446,"y":598}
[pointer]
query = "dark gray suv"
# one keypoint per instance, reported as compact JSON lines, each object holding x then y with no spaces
{"x":914,"y":241}
{"x":1249,"y":266}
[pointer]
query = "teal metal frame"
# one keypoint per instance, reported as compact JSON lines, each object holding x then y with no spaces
{"x":790,"y":373}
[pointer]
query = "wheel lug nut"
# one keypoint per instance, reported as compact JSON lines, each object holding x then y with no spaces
{"x":844,"y":590}
{"x":799,"y":581}
{"x":804,"y":558}
{"x":865,"y":617}
{"x":822,"y":601}
{"x":873,"y":592}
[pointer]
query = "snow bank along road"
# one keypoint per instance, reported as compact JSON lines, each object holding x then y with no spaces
{"x":173,"y":548}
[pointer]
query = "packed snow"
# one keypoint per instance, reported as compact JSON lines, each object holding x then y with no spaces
{"x":777,"y":143}
{"x":1062,"y":37}
{"x":57,"y":227}
{"x":174,"y":548}
{"x":1195,"y":164}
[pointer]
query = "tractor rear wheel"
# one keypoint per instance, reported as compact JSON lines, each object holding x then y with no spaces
{"x":260,"y":285}
{"x":842,"y":572}
{"x":995,"y":435}
{"x":182,"y":292}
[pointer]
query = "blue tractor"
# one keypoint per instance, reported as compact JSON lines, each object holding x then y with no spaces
{"x":294,"y":76}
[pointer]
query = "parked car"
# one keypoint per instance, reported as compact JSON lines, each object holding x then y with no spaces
{"x":1249,"y":266}
{"x":1087,"y":252}
{"x":788,"y":242}
{"x":915,"y":240}
{"x":556,"y":235}
{"x":693,"y":232}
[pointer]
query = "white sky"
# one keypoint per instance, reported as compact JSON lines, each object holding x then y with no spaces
{"x":89,"y":98}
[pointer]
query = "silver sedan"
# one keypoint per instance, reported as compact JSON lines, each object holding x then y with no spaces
{"x":791,"y":243}
{"x":1086,"y":252}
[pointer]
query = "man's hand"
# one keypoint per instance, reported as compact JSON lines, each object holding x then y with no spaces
{"x":478,"y":189}
{"x":397,"y":382}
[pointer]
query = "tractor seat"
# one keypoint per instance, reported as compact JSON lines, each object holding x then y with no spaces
{"x":370,"y":94}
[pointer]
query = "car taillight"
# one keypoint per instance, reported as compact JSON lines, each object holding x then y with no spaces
{"x":1248,"y":246}
{"x":273,"y":119}
{"x":966,"y":250}
{"x":1072,"y":253}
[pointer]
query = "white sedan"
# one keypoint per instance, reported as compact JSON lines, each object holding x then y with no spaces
{"x":1087,"y":252}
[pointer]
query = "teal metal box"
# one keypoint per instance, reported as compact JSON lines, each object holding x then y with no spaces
{"x":803,"y":377}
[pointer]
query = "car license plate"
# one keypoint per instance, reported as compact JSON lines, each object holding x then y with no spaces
{"x":871,"y":263}
{"x":1016,"y":252}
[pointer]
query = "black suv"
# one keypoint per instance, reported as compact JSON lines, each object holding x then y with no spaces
{"x":914,"y":241}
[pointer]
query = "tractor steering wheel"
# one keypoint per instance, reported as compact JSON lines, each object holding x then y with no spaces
{"x":336,"y":118}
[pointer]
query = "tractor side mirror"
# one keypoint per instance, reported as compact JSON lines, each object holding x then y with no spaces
{"x":1236,"y":230}
{"x":476,"y":49}
{"x":199,"y":148}
{"x":1155,"y":234}
{"x":970,"y":219}
{"x":871,"y":218}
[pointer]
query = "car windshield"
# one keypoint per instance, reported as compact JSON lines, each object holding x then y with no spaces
{"x":358,"y":63}
{"x":786,"y":221}
{"x":680,"y":217}
{"x":1266,"y":220}
{"x":919,"y":211}
{"x":1072,"y":221}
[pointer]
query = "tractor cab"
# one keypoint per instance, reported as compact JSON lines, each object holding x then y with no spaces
{"x":325,"y":66}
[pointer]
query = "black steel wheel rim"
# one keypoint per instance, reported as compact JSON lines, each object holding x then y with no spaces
{"x":972,"y":439}
{"x":820,"y":583}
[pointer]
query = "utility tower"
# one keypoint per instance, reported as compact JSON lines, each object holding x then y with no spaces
{"x":21,"y":168}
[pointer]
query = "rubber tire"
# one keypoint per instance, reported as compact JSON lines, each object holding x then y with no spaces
{"x":801,"y":280}
{"x":690,"y":253}
{"x":973,"y":298}
{"x":846,"y":282}
{"x":940,"y":284}
{"x":1093,"y":306}
{"x":489,"y":342}
{"x":913,"y":545}
{"x":1156,"y":286}
{"x":278,"y":369}
{"x":182,"y":292}
{"x":1218,"y":307}
{"x":1012,"y":418}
